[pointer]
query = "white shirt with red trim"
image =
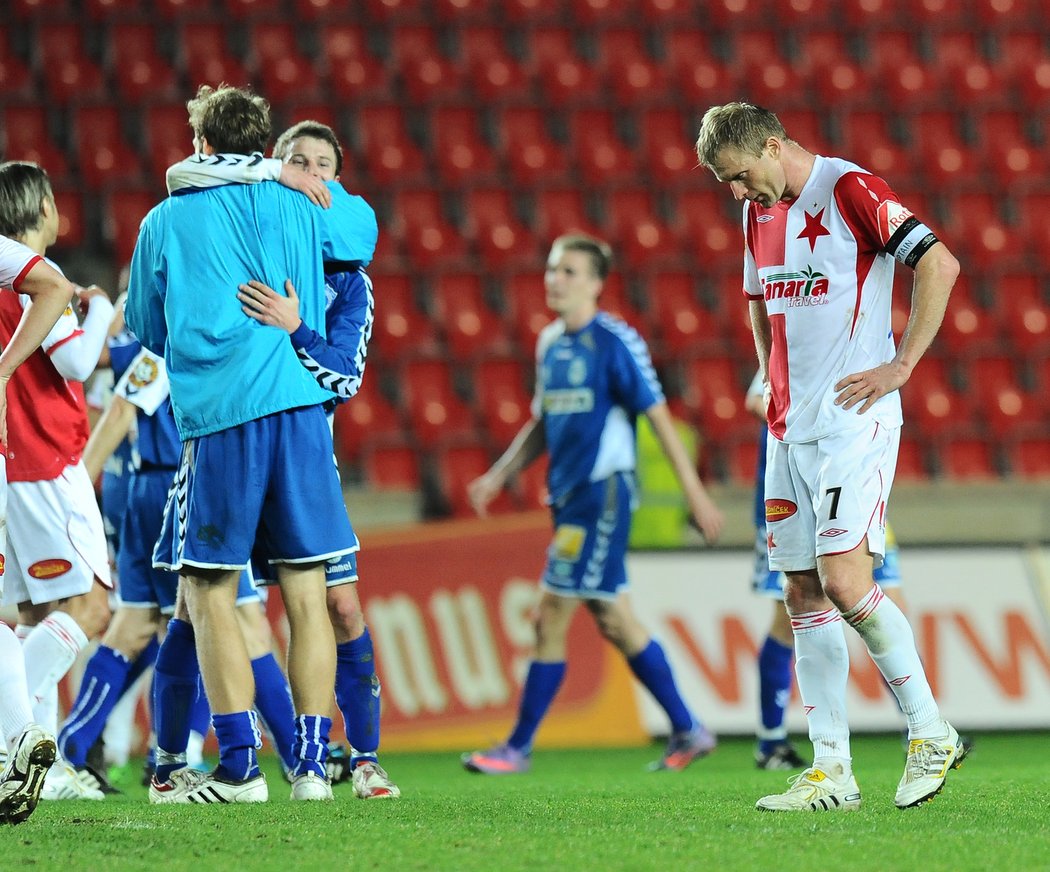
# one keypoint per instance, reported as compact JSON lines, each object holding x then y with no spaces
{"x":821,"y":265}
{"x":16,"y":260}
{"x":47,"y":425}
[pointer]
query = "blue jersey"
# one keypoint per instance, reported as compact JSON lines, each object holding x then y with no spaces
{"x":145,"y":386}
{"x":116,"y":474}
{"x":590,"y":387}
{"x":193,"y":250}
{"x":337,"y":361}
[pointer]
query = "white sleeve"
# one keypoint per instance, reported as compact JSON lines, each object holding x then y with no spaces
{"x":76,"y":356}
{"x":144,"y":383}
{"x":15,"y":261}
{"x":209,"y":171}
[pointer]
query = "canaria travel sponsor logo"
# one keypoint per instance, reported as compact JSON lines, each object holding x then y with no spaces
{"x":805,"y":288}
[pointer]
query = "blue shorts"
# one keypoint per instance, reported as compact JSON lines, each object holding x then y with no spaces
{"x":271,"y":480}
{"x":587,"y":556}
{"x":770,"y":583}
{"x":141,"y":585}
{"x":337,"y":570}
{"x":116,"y":483}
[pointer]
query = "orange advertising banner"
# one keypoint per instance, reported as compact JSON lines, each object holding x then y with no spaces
{"x":450,"y":607}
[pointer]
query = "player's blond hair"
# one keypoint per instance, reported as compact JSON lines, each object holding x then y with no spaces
{"x":23,"y":187}
{"x":742,"y":126}
{"x":233,"y":120}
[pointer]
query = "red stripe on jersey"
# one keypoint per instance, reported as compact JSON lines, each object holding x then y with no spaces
{"x":767,"y":233}
{"x":858,"y":196}
{"x":25,"y":271}
{"x":780,"y":387}
{"x":62,"y":342}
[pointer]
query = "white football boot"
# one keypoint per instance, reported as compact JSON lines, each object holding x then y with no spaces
{"x":927,"y":766}
{"x":815,"y":790}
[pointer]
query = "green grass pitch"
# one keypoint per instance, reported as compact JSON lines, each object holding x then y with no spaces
{"x":577,"y":810}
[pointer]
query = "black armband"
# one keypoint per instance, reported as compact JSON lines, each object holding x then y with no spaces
{"x":911,"y":241}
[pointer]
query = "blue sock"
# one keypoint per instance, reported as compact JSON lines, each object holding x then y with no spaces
{"x":147,"y":657}
{"x":174,"y":692}
{"x":273,"y":702}
{"x":311,"y":744}
{"x":541,"y":686}
{"x":99,"y":691}
{"x":774,"y":684}
{"x":200,"y":712}
{"x":651,"y":668}
{"x":239,"y":738}
{"x":357,"y":695}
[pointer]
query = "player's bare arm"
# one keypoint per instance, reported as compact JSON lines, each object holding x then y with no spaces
{"x":706,"y":514}
{"x":529,"y":444}
{"x":265,"y":305}
{"x":935,"y":274}
{"x":107,"y":434}
{"x":306,"y":183}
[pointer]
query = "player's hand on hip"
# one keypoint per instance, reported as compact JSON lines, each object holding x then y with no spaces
{"x":865,"y":388}
{"x":265,"y":305}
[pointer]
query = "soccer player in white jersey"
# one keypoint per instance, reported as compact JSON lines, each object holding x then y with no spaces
{"x":821,"y":239}
{"x":57,"y":569}
{"x":594,"y":377}
{"x":31,"y":748}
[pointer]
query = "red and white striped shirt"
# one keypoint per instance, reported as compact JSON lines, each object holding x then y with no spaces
{"x":821,"y":265}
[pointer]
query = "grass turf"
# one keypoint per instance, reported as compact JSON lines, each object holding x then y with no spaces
{"x":577,"y":809}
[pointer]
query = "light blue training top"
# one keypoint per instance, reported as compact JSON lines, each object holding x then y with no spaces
{"x":193,"y":250}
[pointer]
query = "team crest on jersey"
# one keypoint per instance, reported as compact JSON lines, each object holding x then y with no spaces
{"x":891,"y":217}
{"x":144,"y":373}
{"x":50,"y":568}
{"x":577,"y":373}
{"x":778,"y":510}
{"x":568,"y":542}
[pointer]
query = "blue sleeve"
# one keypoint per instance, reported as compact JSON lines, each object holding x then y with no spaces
{"x":349,"y":229}
{"x":633,"y":377}
{"x":338,"y":363}
{"x":144,"y":307}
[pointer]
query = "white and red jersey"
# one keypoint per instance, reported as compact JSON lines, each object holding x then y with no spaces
{"x":822,"y":266}
{"x":47,"y":425}
{"x":15,"y":261}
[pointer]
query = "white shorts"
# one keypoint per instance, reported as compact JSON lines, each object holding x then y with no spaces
{"x":3,"y":518}
{"x":825,"y":497}
{"x":57,"y":545}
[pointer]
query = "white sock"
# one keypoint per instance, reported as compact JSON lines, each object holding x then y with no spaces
{"x":891,"y":643}
{"x":50,"y":650}
{"x":15,"y":713}
{"x":822,"y":670}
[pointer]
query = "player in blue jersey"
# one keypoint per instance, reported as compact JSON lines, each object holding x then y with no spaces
{"x":148,"y":595}
{"x":594,"y":377}
{"x":253,"y":425}
{"x":337,"y":362}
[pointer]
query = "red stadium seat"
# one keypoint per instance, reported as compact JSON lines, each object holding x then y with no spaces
{"x":602,"y":156}
{"x":939,"y":150}
{"x":739,"y":460}
{"x":460,"y":152}
{"x":696,"y":70}
{"x":181,"y":9}
{"x":138,"y":66}
{"x":933,"y":402}
{"x":911,"y":462}
{"x":325,"y":11}
{"x":603,"y":13}
{"x":767,"y":74}
{"x":533,"y":12}
{"x":501,"y":398}
{"x":1026,"y":325}
{"x":103,"y":155}
{"x":824,"y":62}
{"x":1029,"y":458}
{"x":968,"y":460}
{"x":715,"y":388}
{"x":392,"y":467}
{"x":102,"y":10}
{"x":71,"y":229}
{"x":471,"y":329}
{"x":69,"y":73}
{"x":426,"y":73}
{"x":1008,"y":150}
{"x":205,"y":56}
{"x":27,"y":136}
{"x":434,"y":410}
{"x":870,"y":14}
{"x":429,"y":239}
{"x":976,"y":217}
{"x":867,"y":139}
{"x":666,"y":146}
{"x":367,"y":419}
{"x":552,"y":60}
{"x":667,"y":14}
{"x":639,"y":234}
{"x":124,"y":213}
{"x":400,"y":325}
{"x":457,"y":467}
{"x":494,"y":73}
{"x":526,"y":308}
{"x":1005,"y":407}
{"x":389,"y":155}
{"x":169,"y":137}
{"x":353,"y":71}
{"x":531,"y":153}
{"x":285,"y":73}
{"x":16,"y":80}
{"x":706,"y":231}
{"x":394,"y":11}
{"x":681,"y":324}
{"x":968,"y":328}
{"x":252,"y":8}
{"x":559,"y":211}
{"x":630,"y":73}
{"x":616,"y":300}
{"x":501,"y":239}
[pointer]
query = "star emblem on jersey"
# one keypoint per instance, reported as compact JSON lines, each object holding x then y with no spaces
{"x":770,"y":544}
{"x":814,"y":229}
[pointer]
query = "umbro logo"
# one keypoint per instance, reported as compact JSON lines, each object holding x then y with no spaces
{"x":833,"y":532}
{"x":897,"y":682}
{"x":762,"y":219}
